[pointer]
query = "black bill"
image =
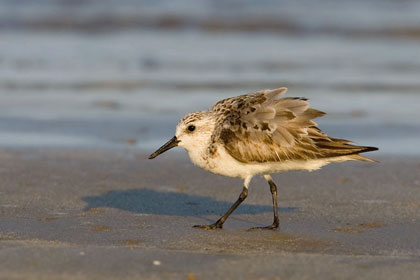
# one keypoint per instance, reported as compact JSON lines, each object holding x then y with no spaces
{"x":168,"y":145}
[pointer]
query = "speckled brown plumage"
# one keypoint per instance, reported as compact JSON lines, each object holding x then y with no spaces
{"x":261,"y":127}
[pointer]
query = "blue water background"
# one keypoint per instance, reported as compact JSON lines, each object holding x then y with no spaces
{"x":122,"y":73}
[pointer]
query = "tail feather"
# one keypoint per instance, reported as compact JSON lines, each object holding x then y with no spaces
{"x":361,"y":158}
{"x":341,"y":147}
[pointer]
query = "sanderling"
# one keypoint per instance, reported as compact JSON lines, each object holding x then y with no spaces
{"x":259,"y":133}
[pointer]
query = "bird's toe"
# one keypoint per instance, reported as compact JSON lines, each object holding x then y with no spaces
{"x":208,"y":227}
{"x":270,"y":227}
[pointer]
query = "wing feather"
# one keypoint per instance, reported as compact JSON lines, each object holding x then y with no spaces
{"x":263,"y":127}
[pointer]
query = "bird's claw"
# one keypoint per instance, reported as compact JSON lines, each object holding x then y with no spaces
{"x":209,"y":227}
{"x":270,"y":227}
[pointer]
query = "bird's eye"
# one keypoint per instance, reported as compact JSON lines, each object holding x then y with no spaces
{"x":191,"y":128}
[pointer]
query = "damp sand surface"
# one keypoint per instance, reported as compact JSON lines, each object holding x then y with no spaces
{"x":79,"y":213}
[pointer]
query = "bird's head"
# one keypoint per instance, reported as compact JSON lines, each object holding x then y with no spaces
{"x":193,"y":132}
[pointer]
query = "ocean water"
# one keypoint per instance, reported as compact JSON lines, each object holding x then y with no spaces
{"x":112,"y":73}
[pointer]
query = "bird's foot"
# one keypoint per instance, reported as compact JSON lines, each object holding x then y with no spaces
{"x":270,"y":227}
{"x":209,"y":227}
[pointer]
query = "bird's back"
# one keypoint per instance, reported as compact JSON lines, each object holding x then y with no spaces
{"x":262,"y":127}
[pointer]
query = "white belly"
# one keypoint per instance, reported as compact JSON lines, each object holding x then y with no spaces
{"x":224,"y":164}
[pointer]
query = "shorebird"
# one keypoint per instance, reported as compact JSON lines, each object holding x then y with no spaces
{"x":259,"y":133}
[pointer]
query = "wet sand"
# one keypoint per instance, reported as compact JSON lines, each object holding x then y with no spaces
{"x":106,"y":213}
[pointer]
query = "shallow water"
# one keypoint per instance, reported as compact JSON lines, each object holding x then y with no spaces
{"x":68,"y":77}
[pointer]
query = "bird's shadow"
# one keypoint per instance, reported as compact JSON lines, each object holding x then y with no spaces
{"x":147,"y":201}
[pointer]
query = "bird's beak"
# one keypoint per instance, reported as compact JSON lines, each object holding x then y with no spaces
{"x":168,"y":145}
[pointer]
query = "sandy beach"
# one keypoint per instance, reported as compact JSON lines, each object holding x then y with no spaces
{"x":107,"y":213}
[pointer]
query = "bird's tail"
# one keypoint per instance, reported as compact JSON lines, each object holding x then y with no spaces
{"x":362,"y":158}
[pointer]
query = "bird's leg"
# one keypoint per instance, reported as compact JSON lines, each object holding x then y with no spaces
{"x":219,"y":222}
{"x":273,"y":189}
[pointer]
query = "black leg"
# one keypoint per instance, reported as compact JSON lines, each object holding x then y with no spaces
{"x":219,"y":222}
{"x":276,"y":223}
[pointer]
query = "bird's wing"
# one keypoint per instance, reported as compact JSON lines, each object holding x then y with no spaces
{"x":262,"y":127}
